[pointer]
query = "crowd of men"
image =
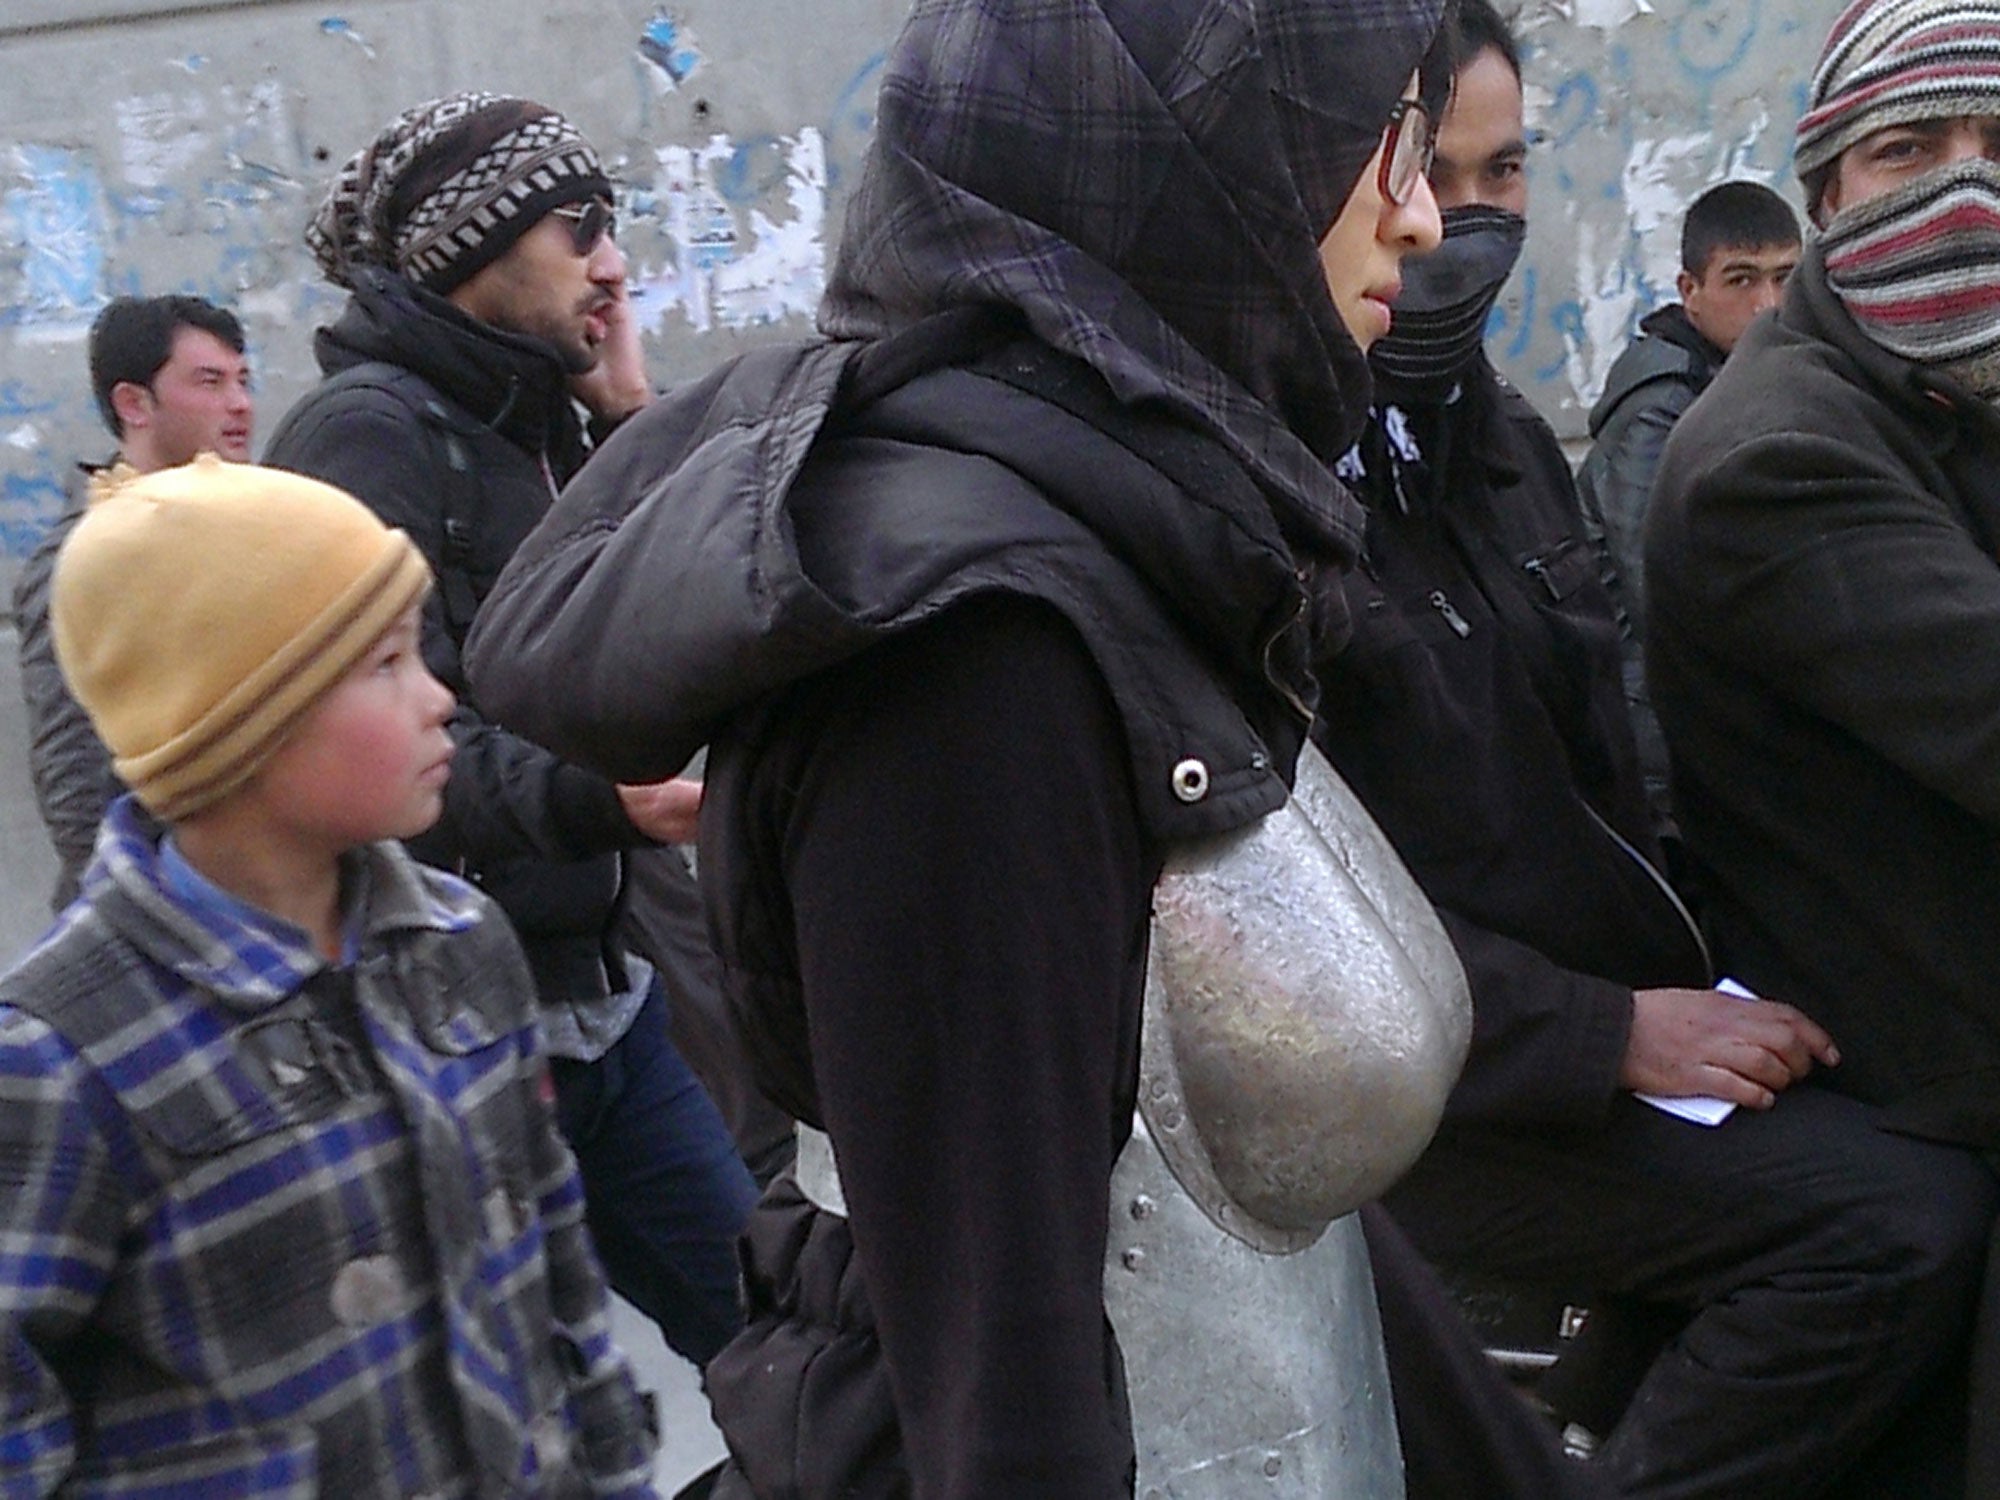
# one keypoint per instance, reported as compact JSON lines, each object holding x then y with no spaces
{"x":1693,"y":752}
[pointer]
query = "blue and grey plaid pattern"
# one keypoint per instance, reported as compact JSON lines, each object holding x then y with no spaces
{"x":271,"y":1226}
{"x":1148,"y":182}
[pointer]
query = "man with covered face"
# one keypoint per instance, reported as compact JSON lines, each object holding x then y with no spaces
{"x":1824,"y":637}
{"x":1817,"y":1271}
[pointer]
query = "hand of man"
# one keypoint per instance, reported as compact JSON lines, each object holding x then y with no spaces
{"x":616,"y":386}
{"x":667,"y":812}
{"x":1687,"y":1042}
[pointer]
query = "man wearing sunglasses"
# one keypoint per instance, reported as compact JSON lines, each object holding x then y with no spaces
{"x":1812,"y":1270}
{"x":487,"y":319}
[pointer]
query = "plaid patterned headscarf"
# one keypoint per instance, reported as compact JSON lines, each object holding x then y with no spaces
{"x":1148,"y":182}
{"x":1894,"y":62}
{"x":449,"y":186}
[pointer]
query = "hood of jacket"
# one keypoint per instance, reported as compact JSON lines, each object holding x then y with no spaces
{"x":509,"y":382}
{"x":1669,"y":347}
{"x":803,"y":503}
{"x":1147,"y":183}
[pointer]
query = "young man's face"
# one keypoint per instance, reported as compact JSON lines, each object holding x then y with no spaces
{"x":1738,"y":282}
{"x":547,"y":288}
{"x":1896,"y":154}
{"x":1482,"y":145}
{"x":371,"y":759}
{"x":197,"y":402}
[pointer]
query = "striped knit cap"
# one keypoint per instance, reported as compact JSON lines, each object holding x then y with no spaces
{"x":200,"y":612}
{"x":449,"y":186}
{"x":1892,"y":62}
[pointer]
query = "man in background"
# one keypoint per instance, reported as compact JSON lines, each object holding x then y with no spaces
{"x":1739,"y":245}
{"x":486,"y":319}
{"x":171,"y":380}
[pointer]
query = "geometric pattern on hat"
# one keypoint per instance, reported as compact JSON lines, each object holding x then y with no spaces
{"x":468,"y":217}
{"x":1895,"y":62}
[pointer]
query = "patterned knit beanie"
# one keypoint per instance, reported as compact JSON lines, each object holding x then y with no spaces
{"x":448,"y":186}
{"x":200,"y":612}
{"x":1893,"y":62}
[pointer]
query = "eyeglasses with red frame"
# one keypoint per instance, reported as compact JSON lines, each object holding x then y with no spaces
{"x":1409,"y":141}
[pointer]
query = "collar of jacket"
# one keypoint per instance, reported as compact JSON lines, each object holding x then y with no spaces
{"x":944,"y":461}
{"x":1479,"y":416}
{"x":508,"y":382}
{"x":124,"y":885}
{"x":1672,"y":325}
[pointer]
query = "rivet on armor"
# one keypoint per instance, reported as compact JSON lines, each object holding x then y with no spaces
{"x":1133,"y":1260}
{"x":1143,"y":1207}
{"x":1170,"y":1119}
{"x":1273,"y":1466}
{"x":1190,"y":780}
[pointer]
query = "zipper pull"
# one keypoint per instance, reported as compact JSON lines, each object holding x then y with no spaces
{"x":1451,"y":616}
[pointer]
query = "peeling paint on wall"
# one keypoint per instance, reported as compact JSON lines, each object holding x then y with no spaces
{"x":340,"y":26}
{"x":736,"y":271}
{"x":55,"y":220}
{"x":671,"y":49}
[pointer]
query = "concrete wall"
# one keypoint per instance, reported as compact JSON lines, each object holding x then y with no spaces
{"x":152,"y":145}
{"x":158,"y":145}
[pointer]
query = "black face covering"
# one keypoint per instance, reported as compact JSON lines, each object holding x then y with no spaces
{"x":1440,"y":319}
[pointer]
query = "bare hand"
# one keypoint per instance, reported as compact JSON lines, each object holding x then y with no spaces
{"x":1687,"y":1042}
{"x":667,"y":812}
{"x":616,"y":385}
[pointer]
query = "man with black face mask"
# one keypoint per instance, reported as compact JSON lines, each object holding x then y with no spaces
{"x":1818,"y":1271}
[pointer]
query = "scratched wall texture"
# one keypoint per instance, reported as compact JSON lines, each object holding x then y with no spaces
{"x":172,"y":145}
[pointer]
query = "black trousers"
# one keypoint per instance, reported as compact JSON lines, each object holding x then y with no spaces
{"x":1831,"y":1270}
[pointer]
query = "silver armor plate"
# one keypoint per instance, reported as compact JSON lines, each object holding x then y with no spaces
{"x":1305,"y":1017}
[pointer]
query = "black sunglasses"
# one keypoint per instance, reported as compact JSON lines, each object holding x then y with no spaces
{"x":588,"y":223}
{"x":1408,"y":145}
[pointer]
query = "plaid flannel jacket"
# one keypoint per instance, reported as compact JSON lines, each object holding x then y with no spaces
{"x":271,"y":1227}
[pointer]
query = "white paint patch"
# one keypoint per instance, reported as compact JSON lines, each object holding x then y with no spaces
{"x":27,"y":437}
{"x":729,"y":274}
{"x":1610,"y":294}
{"x":1608,"y":15}
{"x":161,"y":138}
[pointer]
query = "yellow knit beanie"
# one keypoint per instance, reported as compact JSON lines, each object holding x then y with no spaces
{"x":200,"y":611}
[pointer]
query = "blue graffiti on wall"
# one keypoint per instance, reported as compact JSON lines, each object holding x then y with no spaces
{"x":668,"y":48}
{"x":57,"y":219}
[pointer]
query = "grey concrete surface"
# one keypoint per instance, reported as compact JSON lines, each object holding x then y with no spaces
{"x":27,"y":873}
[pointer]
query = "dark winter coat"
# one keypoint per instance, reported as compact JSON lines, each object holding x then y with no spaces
{"x":1479,"y":716}
{"x":467,"y":462}
{"x":1824,"y":649}
{"x":71,"y":767}
{"x":1651,"y":384}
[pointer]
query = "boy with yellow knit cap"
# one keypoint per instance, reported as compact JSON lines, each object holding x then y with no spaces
{"x":285,"y":1208}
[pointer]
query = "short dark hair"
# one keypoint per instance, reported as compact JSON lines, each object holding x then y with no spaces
{"x":1480,"y":26}
{"x":1734,"y":215}
{"x":134,"y":336}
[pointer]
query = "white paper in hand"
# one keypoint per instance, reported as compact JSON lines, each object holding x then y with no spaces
{"x":1700,"y":1108}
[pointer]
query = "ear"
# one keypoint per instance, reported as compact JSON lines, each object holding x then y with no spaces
{"x":133,"y":404}
{"x":1686,"y":284}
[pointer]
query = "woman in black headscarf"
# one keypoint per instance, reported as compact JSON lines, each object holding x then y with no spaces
{"x":986,"y":603}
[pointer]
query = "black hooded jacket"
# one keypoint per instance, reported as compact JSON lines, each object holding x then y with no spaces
{"x":982,"y":614}
{"x":458,"y":433}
